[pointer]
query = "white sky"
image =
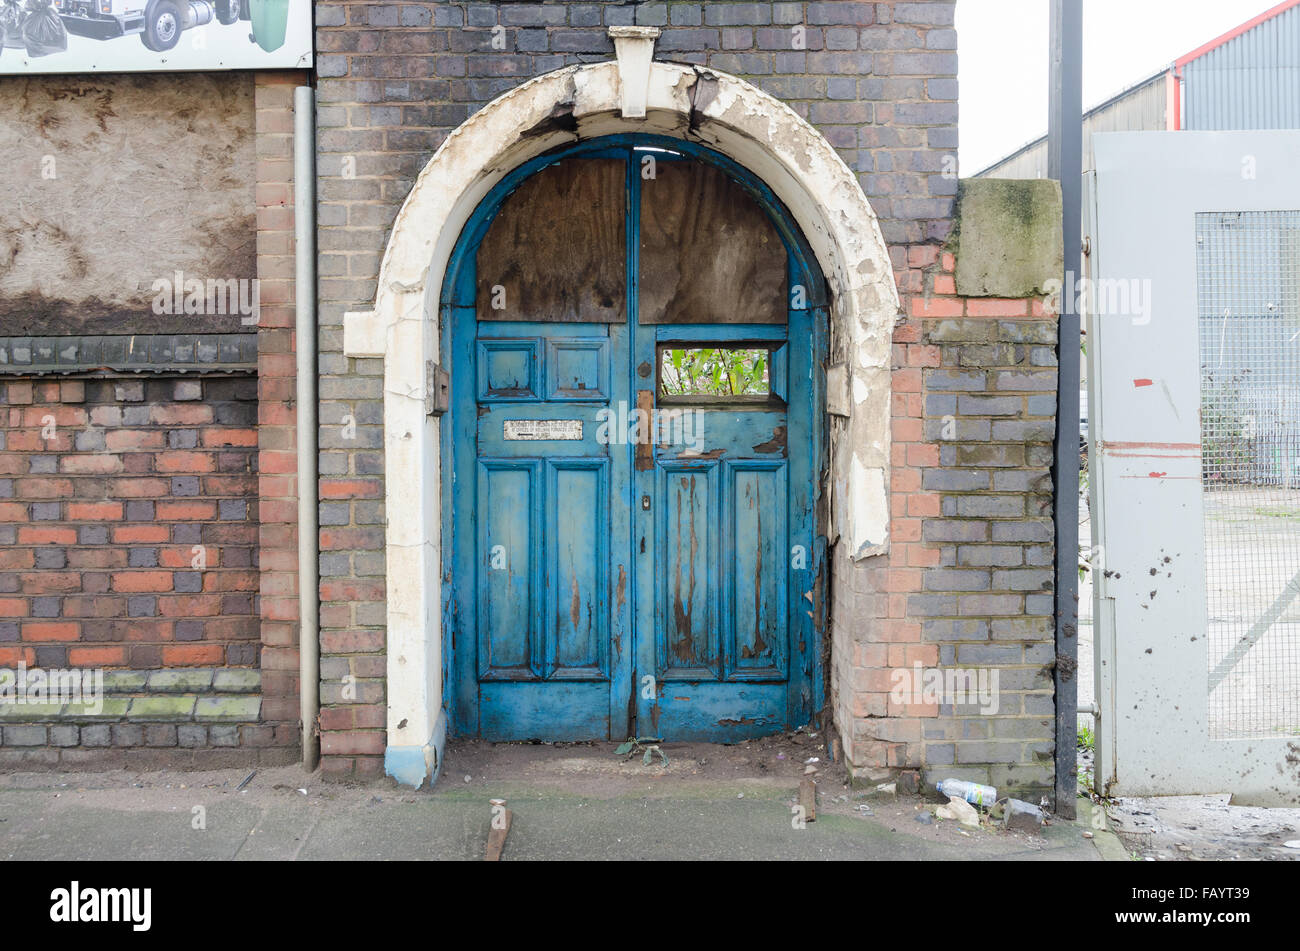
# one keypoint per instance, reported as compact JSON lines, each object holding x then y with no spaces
{"x":1004,"y":84}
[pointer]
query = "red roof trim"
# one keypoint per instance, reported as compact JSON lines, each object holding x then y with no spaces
{"x":1233,"y":34}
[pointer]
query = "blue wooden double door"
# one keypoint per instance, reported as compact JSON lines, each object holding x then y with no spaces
{"x":633,"y":337}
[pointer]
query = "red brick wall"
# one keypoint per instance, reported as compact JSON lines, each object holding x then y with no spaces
{"x":277,"y":463}
{"x":130,"y":523}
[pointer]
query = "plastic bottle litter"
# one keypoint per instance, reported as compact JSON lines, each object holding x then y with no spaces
{"x":972,"y":792}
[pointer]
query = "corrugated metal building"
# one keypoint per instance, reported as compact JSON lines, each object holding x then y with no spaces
{"x":1249,"y":78}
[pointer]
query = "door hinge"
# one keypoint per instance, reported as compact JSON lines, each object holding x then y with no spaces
{"x":437,"y":389}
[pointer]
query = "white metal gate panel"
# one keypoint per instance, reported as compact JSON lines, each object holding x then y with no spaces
{"x":1194,"y":334}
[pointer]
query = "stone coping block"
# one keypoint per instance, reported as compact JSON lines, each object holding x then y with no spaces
{"x":194,"y":680}
{"x":128,"y":353}
{"x":171,"y":695}
{"x":162,"y":708}
{"x":179,"y":681}
{"x":112,"y":708}
{"x":227,"y":709}
{"x":236,"y":680}
{"x":173,"y":708}
{"x":125,"y":681}
{"x":1007,"y":237}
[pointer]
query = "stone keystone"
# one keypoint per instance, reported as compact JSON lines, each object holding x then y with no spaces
{"x":635,"y":48}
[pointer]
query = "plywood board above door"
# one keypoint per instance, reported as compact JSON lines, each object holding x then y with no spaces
{"x":709,"y":252}
{"x":556,"y":250}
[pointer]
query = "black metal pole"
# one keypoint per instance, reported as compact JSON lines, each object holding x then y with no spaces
{"x":1065,"y":164}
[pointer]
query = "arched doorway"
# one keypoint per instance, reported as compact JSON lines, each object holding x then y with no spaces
{"x":636,"y":333}
{"x":571,"y":105}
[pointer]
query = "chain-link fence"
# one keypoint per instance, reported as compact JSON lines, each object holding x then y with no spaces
{"x":1248,"y":273}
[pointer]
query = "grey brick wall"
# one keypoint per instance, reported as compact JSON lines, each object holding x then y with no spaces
{"x":989,"y":603}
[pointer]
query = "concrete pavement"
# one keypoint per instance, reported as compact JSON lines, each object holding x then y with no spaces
{"x":574,"y":807}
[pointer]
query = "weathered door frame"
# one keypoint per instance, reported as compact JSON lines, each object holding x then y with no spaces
{"x":458,"y":320}
{"x":732,"y":117}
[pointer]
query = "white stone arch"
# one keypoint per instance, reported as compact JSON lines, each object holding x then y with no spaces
{"x":578,"y":102}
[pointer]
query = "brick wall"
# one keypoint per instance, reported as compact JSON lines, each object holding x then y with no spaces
{"x":149,"y":531}
{"x":115,"y":491}
{"x":277,"y":482}
{"x":877,"y":79}
{"x":128,"y":542}
{"x":968,"y":582}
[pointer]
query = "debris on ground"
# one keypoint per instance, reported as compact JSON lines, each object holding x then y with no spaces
{"x":1020,"y":816}
{"x":808,"y":800}
{"x":975,"y":793}
{"x":648,"y":746}
{"x":960,"y":810}
{"x":1211,"y":827}
{"x":498,"y":830}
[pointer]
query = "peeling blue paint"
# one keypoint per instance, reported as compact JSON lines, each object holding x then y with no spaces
{"x":414,"y":765}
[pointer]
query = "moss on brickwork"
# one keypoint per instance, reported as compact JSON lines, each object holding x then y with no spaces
{"x":161,"y":708}
{"x":234,"y":709}
{"x":1007,"y":237}
{"x":180,"y":681}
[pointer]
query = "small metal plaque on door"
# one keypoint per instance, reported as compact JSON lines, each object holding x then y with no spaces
{"x":543,"y":429}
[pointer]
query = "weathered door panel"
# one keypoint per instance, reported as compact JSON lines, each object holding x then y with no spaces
{"x":702,"y":711}
{"x":577,"y":569}
{"x":687,"y":559}
{"x":556,"y":711}
{"x":509,"y":508}
{"x":755,"y":584}
{"x":714,"y":534}
{"x":545,"y":532}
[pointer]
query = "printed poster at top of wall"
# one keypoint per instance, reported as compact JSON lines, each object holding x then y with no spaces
{"x":116,"y":36}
